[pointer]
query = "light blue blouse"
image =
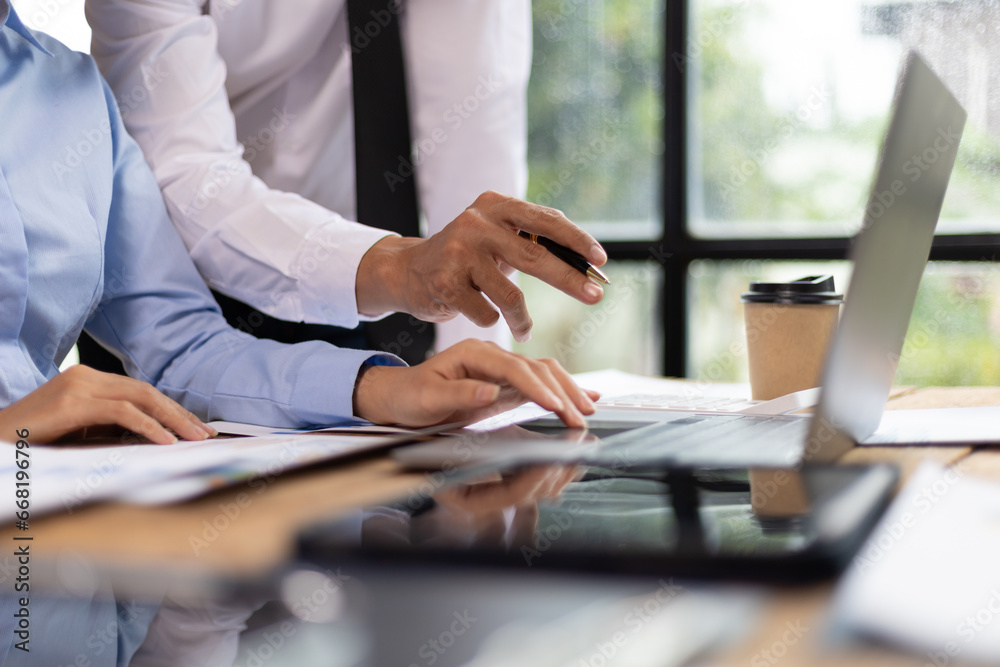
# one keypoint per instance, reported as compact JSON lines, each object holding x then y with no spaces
{"x":85,"y":242}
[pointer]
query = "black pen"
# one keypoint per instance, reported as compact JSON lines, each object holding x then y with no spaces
{"x":571,"y":257}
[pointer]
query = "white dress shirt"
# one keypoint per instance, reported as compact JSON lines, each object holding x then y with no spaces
{"x":238,"y":108}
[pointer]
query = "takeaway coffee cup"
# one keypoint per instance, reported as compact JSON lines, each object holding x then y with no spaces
{"x":789,"y":326}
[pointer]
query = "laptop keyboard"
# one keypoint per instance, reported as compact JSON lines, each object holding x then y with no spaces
{"x":712,"y":439}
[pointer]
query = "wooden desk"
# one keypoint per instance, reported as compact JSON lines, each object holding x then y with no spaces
{"x":254,"y":532}
{"x":240,"y":531}
{"x":808,"y":606}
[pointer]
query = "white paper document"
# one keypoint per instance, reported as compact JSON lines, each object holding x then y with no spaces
{"x":63,"y":477}
{"x":928,"y":578}
{"x":634,"y":397}
{"x":613,"y":383}
{"x":625,"y":391}
{"x":938,"y":426}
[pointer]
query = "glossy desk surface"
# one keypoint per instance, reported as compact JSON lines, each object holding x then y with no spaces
{"x":247,"y":532}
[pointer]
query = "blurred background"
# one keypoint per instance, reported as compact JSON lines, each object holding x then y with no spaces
{"x":783,"y":105}
{"x":709,"y":143}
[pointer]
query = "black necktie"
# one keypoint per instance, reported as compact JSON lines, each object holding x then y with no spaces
{"x":386,"y":188}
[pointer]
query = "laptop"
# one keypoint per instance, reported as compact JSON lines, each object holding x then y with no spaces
{"x":889,"y":255}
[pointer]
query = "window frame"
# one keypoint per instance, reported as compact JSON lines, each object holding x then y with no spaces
{"x":677,"y":248}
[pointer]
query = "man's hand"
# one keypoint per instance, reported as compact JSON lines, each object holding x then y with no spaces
{"x":81,"y":397}
{"x":469,"y":381}
{"x":459,"y":268}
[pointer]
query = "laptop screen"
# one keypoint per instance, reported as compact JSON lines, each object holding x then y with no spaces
{"x":889,"y":256}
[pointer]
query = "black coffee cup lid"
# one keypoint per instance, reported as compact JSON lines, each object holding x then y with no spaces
{"x":811,"y":289}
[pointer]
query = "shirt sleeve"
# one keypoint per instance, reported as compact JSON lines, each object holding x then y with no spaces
{"x":157,"y":313}
{"x":286,"y":256}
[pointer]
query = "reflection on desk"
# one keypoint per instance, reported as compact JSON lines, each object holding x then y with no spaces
{"x":724,"y":523}
{"x":361,"y":614}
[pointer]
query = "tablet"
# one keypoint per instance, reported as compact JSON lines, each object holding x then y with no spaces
{"x":730,"y":523}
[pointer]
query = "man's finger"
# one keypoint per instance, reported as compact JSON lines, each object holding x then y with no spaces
{"x":509,"y":299}
{"x":473,"y":305}
{"x":537,"y":261}
{"x":552,"y":223}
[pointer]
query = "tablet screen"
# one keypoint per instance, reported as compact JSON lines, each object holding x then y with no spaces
{"x":697,"y":520}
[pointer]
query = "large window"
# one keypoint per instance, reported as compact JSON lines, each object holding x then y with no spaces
{"x":786,"y":103}
{"x":709,"y":143}
{"x":595,"y":150}
{"x":770,"y":115}
{"x":789,"y":100}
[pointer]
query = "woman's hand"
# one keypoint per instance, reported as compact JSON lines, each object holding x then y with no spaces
{"x":81,"y":397}
{"x":469,"y":381}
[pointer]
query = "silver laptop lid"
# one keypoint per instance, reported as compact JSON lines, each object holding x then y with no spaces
{"x":889,"y":255}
